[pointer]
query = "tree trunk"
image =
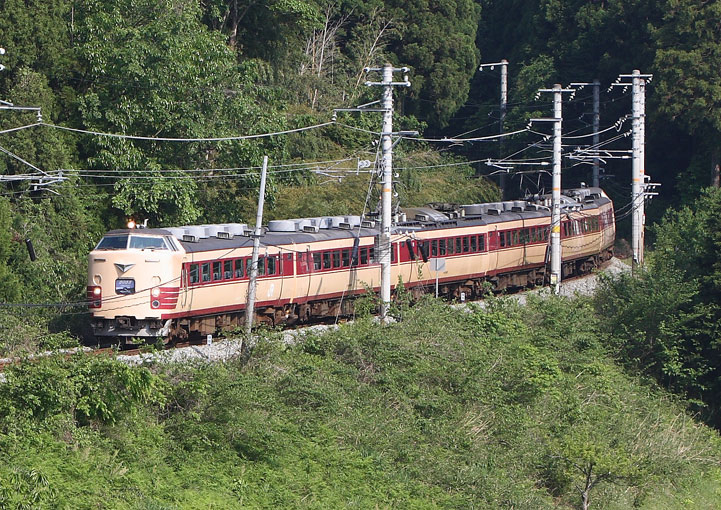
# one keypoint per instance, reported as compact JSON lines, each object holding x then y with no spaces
{"x":715,"y":169}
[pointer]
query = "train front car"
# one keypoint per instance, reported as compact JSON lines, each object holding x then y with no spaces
{"x":133,"y":277}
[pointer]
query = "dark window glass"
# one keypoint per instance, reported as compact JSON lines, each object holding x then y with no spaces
{"x":466,"y":245}
{"x":205,"y":271}
{"x":113,"y":243}
{"x":474,"y":244}
{"x":227,"y":269}
{"x":336,"y":259}
{"x":261,"y":266}
{"x":326,"y":260}
{"x":217,"y":275}
{"x":345,"y":256}
{"x":363,"y":256}
{"x":434,"y":248}
{"x":449,"y":247}
{"x":481,"y":242}
{"x":516,"y":235}
{"x":371,"y":255}
{"x":394,"y":251}
{"x":239,"y":273}
{"x":458,"y":245}
{"x":503,"y":239}
{"x":194,"y":273}
{"x":272,"y":262}
{"x":316,"y":261}
{"x":442,"y":247}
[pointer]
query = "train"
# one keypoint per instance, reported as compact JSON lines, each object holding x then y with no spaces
{"x":193,"y":280}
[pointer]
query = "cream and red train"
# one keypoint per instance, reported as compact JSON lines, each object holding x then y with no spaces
{"x":171,"y":282}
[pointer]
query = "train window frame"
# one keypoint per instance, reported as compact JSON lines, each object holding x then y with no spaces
{"x":345,"y":257}
{"x":394,"y":253}
{"x":216,"y":270}
{"x":502,"y":239}
{"x":261,"y":266}
{"x":109,"y":243}
{"x":450,"y":245}
{"x":481,"y":242}
{"x":239,"y":268}
{"x":371,"y":255}
{"x":474,"y":244}
{"x":194,"y":274}
{"x":336,"y":259}
{"x":272,"y":265}
{"x":317,"y":264}
{"x":137,"y":242}
{"x":441,"y":247}
{"x":459,"y":245}
{"x":466,"y":244}
{"x":326,"y":260}
{"x":227,"y":269}
{"x":205,"y":272}
{"x":363,"y":256}
{"x":434,"y":248}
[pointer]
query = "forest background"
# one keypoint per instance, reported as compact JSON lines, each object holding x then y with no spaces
{"x":435,"y":412}
{"x":220,"y":68}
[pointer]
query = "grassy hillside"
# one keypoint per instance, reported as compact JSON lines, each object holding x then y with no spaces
{"x":508,"y":407}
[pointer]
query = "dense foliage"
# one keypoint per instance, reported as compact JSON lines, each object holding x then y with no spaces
{"x":665,"y":321}
{"x":504,"y":407}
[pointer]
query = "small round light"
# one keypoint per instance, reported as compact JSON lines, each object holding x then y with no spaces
{"x":96,"y":291}
{"x":155,"y":292}
{"x":131,"y":224}
{"x":155,"y":303}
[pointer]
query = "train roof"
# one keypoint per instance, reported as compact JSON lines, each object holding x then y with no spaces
{"x":197,"y":238}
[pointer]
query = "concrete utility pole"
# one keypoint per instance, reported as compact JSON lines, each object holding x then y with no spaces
{"x":638,"y":172}
{"x":596,"y":127}
{"x":253,"y":280}
{"x":596,"y":84}
{"x":557,"y":120}
{"x":504,"y":102}
{"x":384,"y":246}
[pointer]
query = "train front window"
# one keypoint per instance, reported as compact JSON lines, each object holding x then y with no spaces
{"x":147,"y":243}
{"x":113,"y":243}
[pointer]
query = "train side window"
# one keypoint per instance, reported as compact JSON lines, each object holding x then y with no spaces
{"x":565,"y":229}
{"x":503,"y":239}
{"x":481,"y":242}
{"x":227,"y":269}
{"x":466,"y":245}
{"x":442,"y":247}
{"x":316,"y":261}
{"x":434,"y":248}
{"x":449,"y":246}
{"x":458,"y":245}
{"x":474,"y":244}
{"x":336,"y":258}
{"x":326,"y":260}
{"x":516,"y":235}
{"x":261,"y":266}
{"x":394,"y":253}
{"x":194,"y":273}
{"x":205,"y":271}
{"x":239,"y":273}
{"x":217,"y":275}
{"x":371,"y":255}
{"x":272,"y":263}
{"x":364,"y":256}
{"x":345,"y":258}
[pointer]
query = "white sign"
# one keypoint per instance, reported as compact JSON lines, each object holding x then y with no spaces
{"x":437,"y":265}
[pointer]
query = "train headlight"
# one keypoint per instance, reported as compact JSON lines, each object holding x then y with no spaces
{"x":95,"y":296}
{"x":155,"y":292}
